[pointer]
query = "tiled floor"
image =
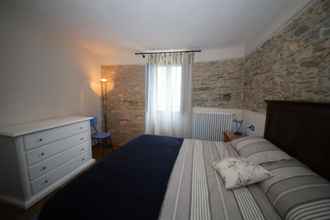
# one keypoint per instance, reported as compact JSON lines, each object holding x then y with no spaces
{"x":9,"y":212}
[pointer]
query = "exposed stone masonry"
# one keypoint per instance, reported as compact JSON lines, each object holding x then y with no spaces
{"x":218,"y":84}
{"x":125,"y":101}
{"x":294,"y":64}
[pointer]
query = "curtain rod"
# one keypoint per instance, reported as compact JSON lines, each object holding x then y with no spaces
{"x":176,"y":51}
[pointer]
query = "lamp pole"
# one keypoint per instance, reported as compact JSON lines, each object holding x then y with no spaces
{"x":104,"y":97}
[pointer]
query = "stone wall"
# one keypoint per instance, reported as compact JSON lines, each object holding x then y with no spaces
{"x":294,"y":64}
{"x":218,"y":84}
{"x":215,"y":84}
{"x":125,"y":101}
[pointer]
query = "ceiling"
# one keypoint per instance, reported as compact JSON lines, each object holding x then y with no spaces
{"x":153,"y":24}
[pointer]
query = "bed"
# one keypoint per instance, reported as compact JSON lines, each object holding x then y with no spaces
{"x":155,"y":177}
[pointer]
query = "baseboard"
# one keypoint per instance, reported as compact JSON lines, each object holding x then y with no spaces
{"x":13,"y":201}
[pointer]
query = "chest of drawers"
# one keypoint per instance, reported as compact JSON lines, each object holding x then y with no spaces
{"x":36,"y":158}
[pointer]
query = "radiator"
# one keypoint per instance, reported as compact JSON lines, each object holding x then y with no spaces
{"x":211,"y":125}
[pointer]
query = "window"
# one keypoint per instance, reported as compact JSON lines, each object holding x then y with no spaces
{"x":169,"y":88}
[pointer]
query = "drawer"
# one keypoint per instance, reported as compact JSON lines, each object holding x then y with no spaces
{"x":48,"y":150}
{"x":58,"y":173}
{"x":69,"y":167}
{"x":40,"y":184}
{"x":51,"y":163}
{"x":41,"y":138}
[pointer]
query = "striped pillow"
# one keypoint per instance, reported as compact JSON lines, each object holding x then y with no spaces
{"x":258,"y":150}
{"x":296,"y":192}
{"x":240,"y":141}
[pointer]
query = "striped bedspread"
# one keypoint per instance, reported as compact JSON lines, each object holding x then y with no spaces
{"x":196,"y":192}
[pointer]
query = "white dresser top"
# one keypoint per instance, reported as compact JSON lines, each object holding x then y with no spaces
{"x":27,"y":128}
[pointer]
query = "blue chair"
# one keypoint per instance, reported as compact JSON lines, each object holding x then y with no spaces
{"x":103,"y":139}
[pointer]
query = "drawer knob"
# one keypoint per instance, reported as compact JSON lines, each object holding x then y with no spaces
{"x":46,"y":181}
{"x":83,"y":159}
{"x":82,"y":149}
{"x":43,"y":168}
{"x":42,"y":154}
{"x":40,"y":139}
{"x":82,"y":139}
{"x":81,"y":128}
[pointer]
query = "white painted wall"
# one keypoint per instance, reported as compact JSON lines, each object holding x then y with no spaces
{"x":238,"y":113}
{"x":113,"y":56}
{"x":220,"y":54}
{"x":257,"y":39}
{"x":44,"y":76}
{"x":255,"y":118}
{"x":158,"y":24}
{"x":249,"y":117}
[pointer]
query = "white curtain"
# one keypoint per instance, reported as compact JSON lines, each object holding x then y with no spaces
{"x":168,"y":94}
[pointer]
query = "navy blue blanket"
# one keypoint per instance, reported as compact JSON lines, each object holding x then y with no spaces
{"x":128,"y":184}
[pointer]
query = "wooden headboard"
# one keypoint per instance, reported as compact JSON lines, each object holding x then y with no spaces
{"x":301,"y":129}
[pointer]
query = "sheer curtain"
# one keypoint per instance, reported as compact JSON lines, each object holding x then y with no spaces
{"x":168,"y":94}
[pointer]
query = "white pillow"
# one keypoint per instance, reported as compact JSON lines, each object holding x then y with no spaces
{"x":237,"y":172}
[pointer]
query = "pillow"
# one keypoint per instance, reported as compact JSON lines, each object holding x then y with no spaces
{"x":259,"y":150}
{"x":238,"y":140}
{"x":296,"y":192}
{"x":239,"y":172}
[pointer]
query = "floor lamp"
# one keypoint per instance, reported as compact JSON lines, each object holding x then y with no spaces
{"x":104,"y":97}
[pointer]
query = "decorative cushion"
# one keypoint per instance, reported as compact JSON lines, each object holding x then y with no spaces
{"x":238,"y":172}
{"x":259,"y":150}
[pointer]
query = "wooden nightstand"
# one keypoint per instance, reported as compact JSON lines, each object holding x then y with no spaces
{"x":229,"y":136}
